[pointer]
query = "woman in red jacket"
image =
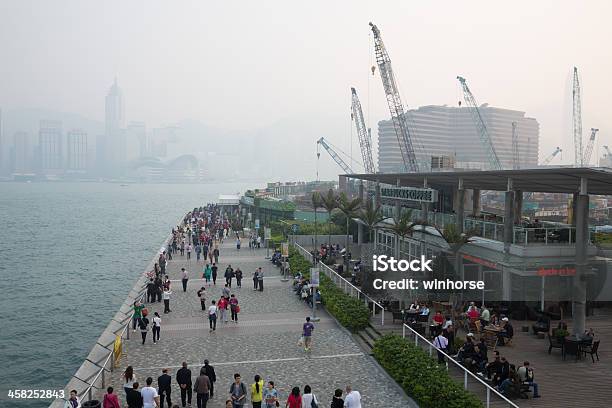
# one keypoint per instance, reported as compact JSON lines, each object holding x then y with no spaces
{"x":110,"y":399}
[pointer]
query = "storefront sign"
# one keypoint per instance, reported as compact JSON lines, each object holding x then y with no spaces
{"x":426,"y":195}
{"x":480,"y":261}
{"x":553,"y":271}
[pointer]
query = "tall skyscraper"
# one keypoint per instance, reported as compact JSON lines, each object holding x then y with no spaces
{"x":450,"y":131}
{"x":111,"y":149}
{"x":77,"y":151}
{"x":137,"y":141}
{"x":50,"y":147}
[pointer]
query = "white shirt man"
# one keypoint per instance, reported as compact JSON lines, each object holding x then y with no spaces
{"x":212,"y":309}
{"x":149,"y":397}
{"x":353,"y":398}
{"x":441,"y":342}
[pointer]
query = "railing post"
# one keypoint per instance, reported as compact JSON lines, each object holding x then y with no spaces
{"x":430,"y":350}
{"x":416,"y":340}
{"x":570,"y":236}
{"x":382,"y":313}
{"x":488,"y":397}
{"x":465,"y":379}
{"x":403,"y":331}
{"x":89,"y":393}
{"x":127,"y":331}
{"x":103,"y":378}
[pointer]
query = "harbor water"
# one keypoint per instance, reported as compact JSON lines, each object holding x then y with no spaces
{"x":71,"y":253}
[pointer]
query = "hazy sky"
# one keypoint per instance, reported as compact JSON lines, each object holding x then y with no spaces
{"x":246,"y":64}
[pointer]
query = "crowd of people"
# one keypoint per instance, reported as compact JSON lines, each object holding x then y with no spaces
{"x":260,"y":393}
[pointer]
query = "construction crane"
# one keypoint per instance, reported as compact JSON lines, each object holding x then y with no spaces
{"x":577,"y":120}
{"x":552,"y":156}
{"x":589,"y":147}
{"x":363,"y":133}
{"x":483,"y":132}
{"x":396,"y":107}
{"x":515,"y":153}
{"x":345,"y":167}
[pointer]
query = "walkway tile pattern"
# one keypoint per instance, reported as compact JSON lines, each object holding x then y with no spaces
{"x":264,"y":342}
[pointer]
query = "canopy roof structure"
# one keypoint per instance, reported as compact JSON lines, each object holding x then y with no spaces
{"x":545,"y":180}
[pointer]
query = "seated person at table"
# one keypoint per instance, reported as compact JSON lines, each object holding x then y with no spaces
{"x":424,"y":311}
{"x":414,"y":307}
{"x":482,"y":357}
{"x":471,"y":305}
{"x":494,"y":320}
{"x":525,"y":373}
{"x":541,"y":325}
{"x":507,"y":332}
{"x":511,"y":385}
{"x":589,"y":333}
{"x":473,"y":313}
{"x":498,"y":369}
{"x":467,"y":352}
{"x":438,"y":319}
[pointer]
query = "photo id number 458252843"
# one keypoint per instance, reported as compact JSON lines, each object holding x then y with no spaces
{"x":35,"y":394}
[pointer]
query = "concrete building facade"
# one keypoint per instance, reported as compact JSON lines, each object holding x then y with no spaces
{"x":450,"y":131}
{"x":76,"y":143}
{"x":51,"y":147}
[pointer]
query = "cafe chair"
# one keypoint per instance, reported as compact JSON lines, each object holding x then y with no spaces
{"x":553,"y":342}
{"x":571,"y":348}
{"x":591,"y":349}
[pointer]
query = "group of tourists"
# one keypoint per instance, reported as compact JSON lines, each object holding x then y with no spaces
{"x":260,"y":393}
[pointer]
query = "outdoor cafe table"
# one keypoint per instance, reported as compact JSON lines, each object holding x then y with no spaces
{"x":490,"y":335}
{"x":577,"y":343}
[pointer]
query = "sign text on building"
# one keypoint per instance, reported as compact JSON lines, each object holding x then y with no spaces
{"x":409,"y":193}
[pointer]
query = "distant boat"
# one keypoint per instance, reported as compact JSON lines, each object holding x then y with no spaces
{"x":123,"y":185}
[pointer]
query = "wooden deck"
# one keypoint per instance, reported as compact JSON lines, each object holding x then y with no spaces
{"x":561,"y":383}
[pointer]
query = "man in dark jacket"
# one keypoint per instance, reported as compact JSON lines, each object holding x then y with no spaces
{"x":183,"y":378}
{"x":164,"y":382}
{"x":134,"y":397}
{"x":210,"y":373}
{"x":202,"y":388}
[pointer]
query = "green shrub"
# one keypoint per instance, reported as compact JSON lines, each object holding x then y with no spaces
{"x":420,"y":375}
{"x":350,"y":312}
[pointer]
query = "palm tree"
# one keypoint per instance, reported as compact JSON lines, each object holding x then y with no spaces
{"x":402,"y":227}
{"x":350,"y":210}
{"x":330,"y":203}
{"x":316,"y":203}
{"x":370,"y":215}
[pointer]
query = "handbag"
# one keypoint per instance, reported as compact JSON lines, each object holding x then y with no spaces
{"x":313,"y":403}
{"x":237,"y":308}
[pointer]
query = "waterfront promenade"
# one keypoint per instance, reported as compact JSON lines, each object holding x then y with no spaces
{"x":264,"y":341}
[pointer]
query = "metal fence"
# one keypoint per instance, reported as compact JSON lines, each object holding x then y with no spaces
{"x":346,"y":286}
{"x":471,"y":382}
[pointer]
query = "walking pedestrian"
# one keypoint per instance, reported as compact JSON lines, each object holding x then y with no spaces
{"x":226,"y":291}
{"x":238,"y":244}
{"x":337,"y":401}
{"x":207,"y":273}
{"x":257,"y":392}
{"x":133,"y":397}
{"x":352,"y":399}
{"x":129,"y":378}
{"x":167,"y":294}
{"x":198,"y":251}
{"x":162,"y":262}
{"x":189,"y":248}
{"x":238,"y":275}
{"x":183,"y":247}
{"x":270,"y":396}
{"x":202,"y":297}
{"x":150,"y":398}
{"x":229,"y":273}
{"x":307,"y":329}
{"x":183,"y":378}
{"x":159,"y":287}
{"x":205,"y":251}
{"x":216,"y":254}
{"x":260,"y":278}
{"x":202,"y":388}
{"x":234,"y":308}
{"x":212,"y":316}
{"x":110,"y":400}
{"x":156,"y":327}
{"x":222,"y":305}
{"x":308,"y":398}
{"x":185,"y":276}
{"x":238,"y":392}
{"x":214,"y":273}
{"x":212,"y":376}
{"x":164,"y":385}
{"x":144,"y":328}
{"x":138,"y":307}
{"x":295,"y":399}
{"x":255,"y":279}
{"x":151,"y":291}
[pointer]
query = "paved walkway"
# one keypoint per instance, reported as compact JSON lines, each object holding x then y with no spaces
{"x":264,"y":342}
